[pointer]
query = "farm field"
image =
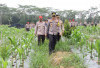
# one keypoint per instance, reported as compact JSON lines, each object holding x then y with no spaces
{"x":19,"y":49}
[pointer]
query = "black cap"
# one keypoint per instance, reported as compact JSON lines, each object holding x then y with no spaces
{"x":53,"y":14}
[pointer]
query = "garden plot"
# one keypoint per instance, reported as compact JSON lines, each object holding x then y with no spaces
{"x":80,"y":50}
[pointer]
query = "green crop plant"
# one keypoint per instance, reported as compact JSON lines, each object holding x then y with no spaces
{"x":5,"y":52}
{"x":15,"y":45}
{"x":0,"y":62}
{"x":5,"y":63}
{"x":76,"y":36}
{"x":91,"y":46}
{"x":13,"y":42}
{"x":98,"y":49}
{"x":20,"y":52}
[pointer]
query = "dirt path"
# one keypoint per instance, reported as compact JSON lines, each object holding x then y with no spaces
{"x":57,"y":58}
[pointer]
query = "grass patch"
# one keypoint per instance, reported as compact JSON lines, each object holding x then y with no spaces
{"x":63,"y":46}
{"x":62,"y":57}
{"x":72,"y":61}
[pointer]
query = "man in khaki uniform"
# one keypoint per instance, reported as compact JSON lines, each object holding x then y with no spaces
{"x":27,"y":26}
{"x":31,"y":25}
{"x":60,"y":26}
{"x":52,"y":29}
{"x":40,"y":30}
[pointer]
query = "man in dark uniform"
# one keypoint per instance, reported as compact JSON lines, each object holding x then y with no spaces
{"x":52,"y":29}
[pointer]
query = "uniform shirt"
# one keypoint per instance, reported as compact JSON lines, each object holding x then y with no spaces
{"x":40,"y":28}
{"x":27,"y":26}
{"x":53,"y":27}
{"x":61,"y":25}
{"x":46,"y":24}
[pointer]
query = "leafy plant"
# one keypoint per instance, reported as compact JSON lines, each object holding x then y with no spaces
{"x":68,"y":29}
{"x":5,"y":63}
{"x":98,"y":49}
{"x":5,"y":52}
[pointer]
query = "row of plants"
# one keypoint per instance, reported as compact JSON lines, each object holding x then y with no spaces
{"x":17,"y":43}
{"x":81,"y":38}
{"x":16,"y":46}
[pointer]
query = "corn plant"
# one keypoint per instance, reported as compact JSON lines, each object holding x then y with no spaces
{"x":98,"y":49}
{"x":5,"y":52}
{"x":5,"y":63}
{"x":20,"y":52}
{"x":14,"y":45}
{"x":91,"y":47}
{"x":13,"y":42}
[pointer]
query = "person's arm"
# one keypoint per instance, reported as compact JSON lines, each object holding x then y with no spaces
{"x":36,"y":28}
{"x":47,"y":28}
{"x":62,"y":27}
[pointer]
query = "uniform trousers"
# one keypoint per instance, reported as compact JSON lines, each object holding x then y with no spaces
{"x":52,"y":43}
{"x":41,"y":39}
{"x":58,"y":36}
{"x":27,"y":29}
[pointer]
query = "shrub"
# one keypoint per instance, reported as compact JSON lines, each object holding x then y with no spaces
{"x":68,"y":29}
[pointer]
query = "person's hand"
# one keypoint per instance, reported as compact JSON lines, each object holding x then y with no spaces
{"x":45,"y":35}
{"x":60,"y":33}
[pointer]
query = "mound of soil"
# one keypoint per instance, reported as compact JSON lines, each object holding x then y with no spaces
{"x":56,"y":58}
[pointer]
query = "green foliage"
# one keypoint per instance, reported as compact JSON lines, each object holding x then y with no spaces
{"x":63,"y":46}
{"x":78,"y":37}
{"x":5,"y":63}
{"x":72,"y":61}
{"x":40,"y":57}
{"x":68,"y":29}
{"x":5,"y":52}
{"x":98,"y":47}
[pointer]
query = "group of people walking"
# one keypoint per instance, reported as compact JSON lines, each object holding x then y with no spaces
{"x":29,"y":26}
{"x":51,"y":28}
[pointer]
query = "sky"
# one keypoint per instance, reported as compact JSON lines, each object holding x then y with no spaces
{"x":56,"y":4}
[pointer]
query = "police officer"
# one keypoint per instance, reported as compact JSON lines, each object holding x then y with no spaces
{"x":46,"y":24}
{"x":27,"y":26}
{"x":40,"y":30}
{"x":53,"y":31}
{"x":60,"y":26}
